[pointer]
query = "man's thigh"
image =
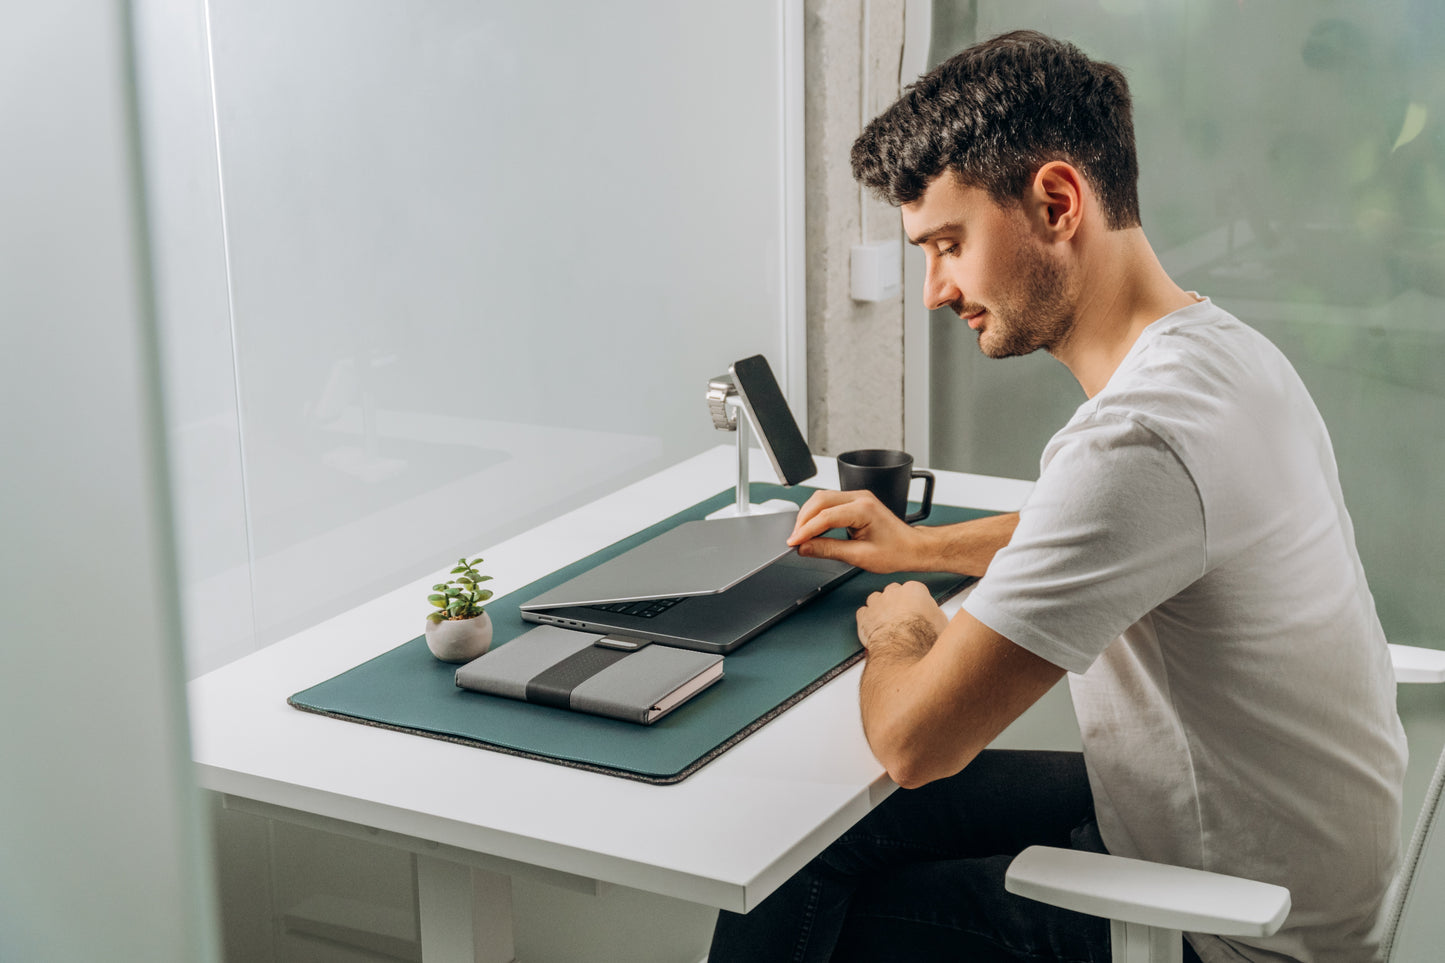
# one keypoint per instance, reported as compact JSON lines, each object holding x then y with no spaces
{"x":931,"y":865}
{"x":958,"y":910}
{"x":936,"y":890}
{"x":1002,"y":803}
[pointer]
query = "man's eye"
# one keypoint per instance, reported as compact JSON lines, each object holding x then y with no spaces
{"x":948,"y":250}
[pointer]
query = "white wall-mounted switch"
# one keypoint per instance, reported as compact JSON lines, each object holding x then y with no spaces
{"x":876,"y":270}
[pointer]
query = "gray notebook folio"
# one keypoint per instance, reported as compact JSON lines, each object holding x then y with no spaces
{"x":628,"y":679}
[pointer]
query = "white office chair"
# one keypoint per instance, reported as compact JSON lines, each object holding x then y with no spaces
{"x":1151,"y":905}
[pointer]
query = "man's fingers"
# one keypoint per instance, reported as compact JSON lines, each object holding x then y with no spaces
{"x":823,"y":518}
{"x":817,"y":548}
{"x":816,"y":503}
{"x":830,"y":548}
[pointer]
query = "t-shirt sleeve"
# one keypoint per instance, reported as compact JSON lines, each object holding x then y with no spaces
{"x":1113,"y":528}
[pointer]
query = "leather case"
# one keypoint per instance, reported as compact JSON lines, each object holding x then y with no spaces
{"x":626,"y":679}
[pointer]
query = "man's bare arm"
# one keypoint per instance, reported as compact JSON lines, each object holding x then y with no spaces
{"x":935,"y":693}
{"x":880,"y":542}
{"x":968,"y":547}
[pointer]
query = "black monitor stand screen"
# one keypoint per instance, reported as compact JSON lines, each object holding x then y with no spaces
{"x":781,"y":437}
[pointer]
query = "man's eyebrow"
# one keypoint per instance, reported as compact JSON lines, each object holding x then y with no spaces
{"x":952,"y":227}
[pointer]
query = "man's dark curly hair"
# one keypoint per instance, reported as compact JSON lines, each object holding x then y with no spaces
{"x":997,"y":112}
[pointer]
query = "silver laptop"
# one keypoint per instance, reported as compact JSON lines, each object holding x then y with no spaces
{"x":707,"y":585}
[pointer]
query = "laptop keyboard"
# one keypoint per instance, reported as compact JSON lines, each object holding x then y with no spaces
{"x":647,"y":608}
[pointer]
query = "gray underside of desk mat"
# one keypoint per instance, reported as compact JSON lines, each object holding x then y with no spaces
{"x":406,"y":690}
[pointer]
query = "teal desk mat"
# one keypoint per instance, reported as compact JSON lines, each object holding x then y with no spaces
{"x":408,"y":690}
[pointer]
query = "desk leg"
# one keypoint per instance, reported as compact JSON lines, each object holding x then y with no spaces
{"x":465,"y":914}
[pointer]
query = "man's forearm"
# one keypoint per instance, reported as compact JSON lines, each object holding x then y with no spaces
{"x":892,"y":654}
{"x":931,"y":699}
{"x":968,"y":547}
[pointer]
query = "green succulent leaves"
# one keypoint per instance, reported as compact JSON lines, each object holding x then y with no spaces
{"x":462,"y":597}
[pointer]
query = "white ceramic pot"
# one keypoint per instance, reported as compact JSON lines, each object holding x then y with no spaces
{"x":459,"y":640}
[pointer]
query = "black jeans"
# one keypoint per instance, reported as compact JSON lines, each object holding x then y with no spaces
{"x":921,"y":877}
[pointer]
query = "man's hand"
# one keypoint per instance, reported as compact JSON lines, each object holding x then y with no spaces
{"x":902,"y":619}
{"x":879,"y":541}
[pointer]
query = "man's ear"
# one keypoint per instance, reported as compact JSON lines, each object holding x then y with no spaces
{"x":1057,"y":195}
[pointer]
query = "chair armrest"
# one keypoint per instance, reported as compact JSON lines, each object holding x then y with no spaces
{"x":1416,"y":664}
{"x":1151,"y":894}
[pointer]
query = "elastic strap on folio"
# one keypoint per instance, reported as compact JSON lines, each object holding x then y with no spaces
{"x":553,"y":686}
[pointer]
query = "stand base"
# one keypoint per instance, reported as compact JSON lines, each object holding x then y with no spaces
{"x":773,"y":506}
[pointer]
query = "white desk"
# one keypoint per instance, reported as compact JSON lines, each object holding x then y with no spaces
{"x":727,"y":836}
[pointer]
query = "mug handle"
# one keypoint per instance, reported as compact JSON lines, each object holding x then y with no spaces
{"x":922,"y":513}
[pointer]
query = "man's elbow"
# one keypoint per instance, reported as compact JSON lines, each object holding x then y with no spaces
{"x":909,"y":778}
{"x":911,"y":765}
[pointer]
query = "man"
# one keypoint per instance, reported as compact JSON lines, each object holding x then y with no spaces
{"x":1185,"y":555}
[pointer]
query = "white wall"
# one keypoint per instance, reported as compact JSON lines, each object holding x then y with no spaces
{"x":443,"y":271}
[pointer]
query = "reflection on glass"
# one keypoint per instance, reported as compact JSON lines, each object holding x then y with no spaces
{"x":1293,"y":169}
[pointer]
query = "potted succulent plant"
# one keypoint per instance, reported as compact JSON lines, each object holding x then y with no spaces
{"x":459,"y":629}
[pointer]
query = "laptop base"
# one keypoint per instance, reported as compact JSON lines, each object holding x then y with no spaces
{"x":715,"y":623}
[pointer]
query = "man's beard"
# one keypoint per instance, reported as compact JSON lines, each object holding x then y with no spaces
{"x":1039,"y":316}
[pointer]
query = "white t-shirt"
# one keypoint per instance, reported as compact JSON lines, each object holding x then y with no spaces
{"x":1186,"y":553}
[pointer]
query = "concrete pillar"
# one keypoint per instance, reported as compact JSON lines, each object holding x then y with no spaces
{"x":855,"y":349}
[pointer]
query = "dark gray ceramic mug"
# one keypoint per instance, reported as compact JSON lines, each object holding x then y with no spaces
{"x":887,"y":474}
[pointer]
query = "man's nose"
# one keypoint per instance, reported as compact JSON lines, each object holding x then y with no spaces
{"x":938,"y":289}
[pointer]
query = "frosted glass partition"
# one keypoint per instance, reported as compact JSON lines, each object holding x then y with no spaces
{"x":1293,"y":169}
{"x":482,"y":258}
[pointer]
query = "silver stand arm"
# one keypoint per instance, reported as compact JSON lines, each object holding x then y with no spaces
{"x":728,"y":414}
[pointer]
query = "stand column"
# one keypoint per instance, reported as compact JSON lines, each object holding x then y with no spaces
{"x":744,"y":498}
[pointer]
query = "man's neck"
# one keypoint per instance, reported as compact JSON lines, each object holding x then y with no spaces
{"x":1122,"y":290}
